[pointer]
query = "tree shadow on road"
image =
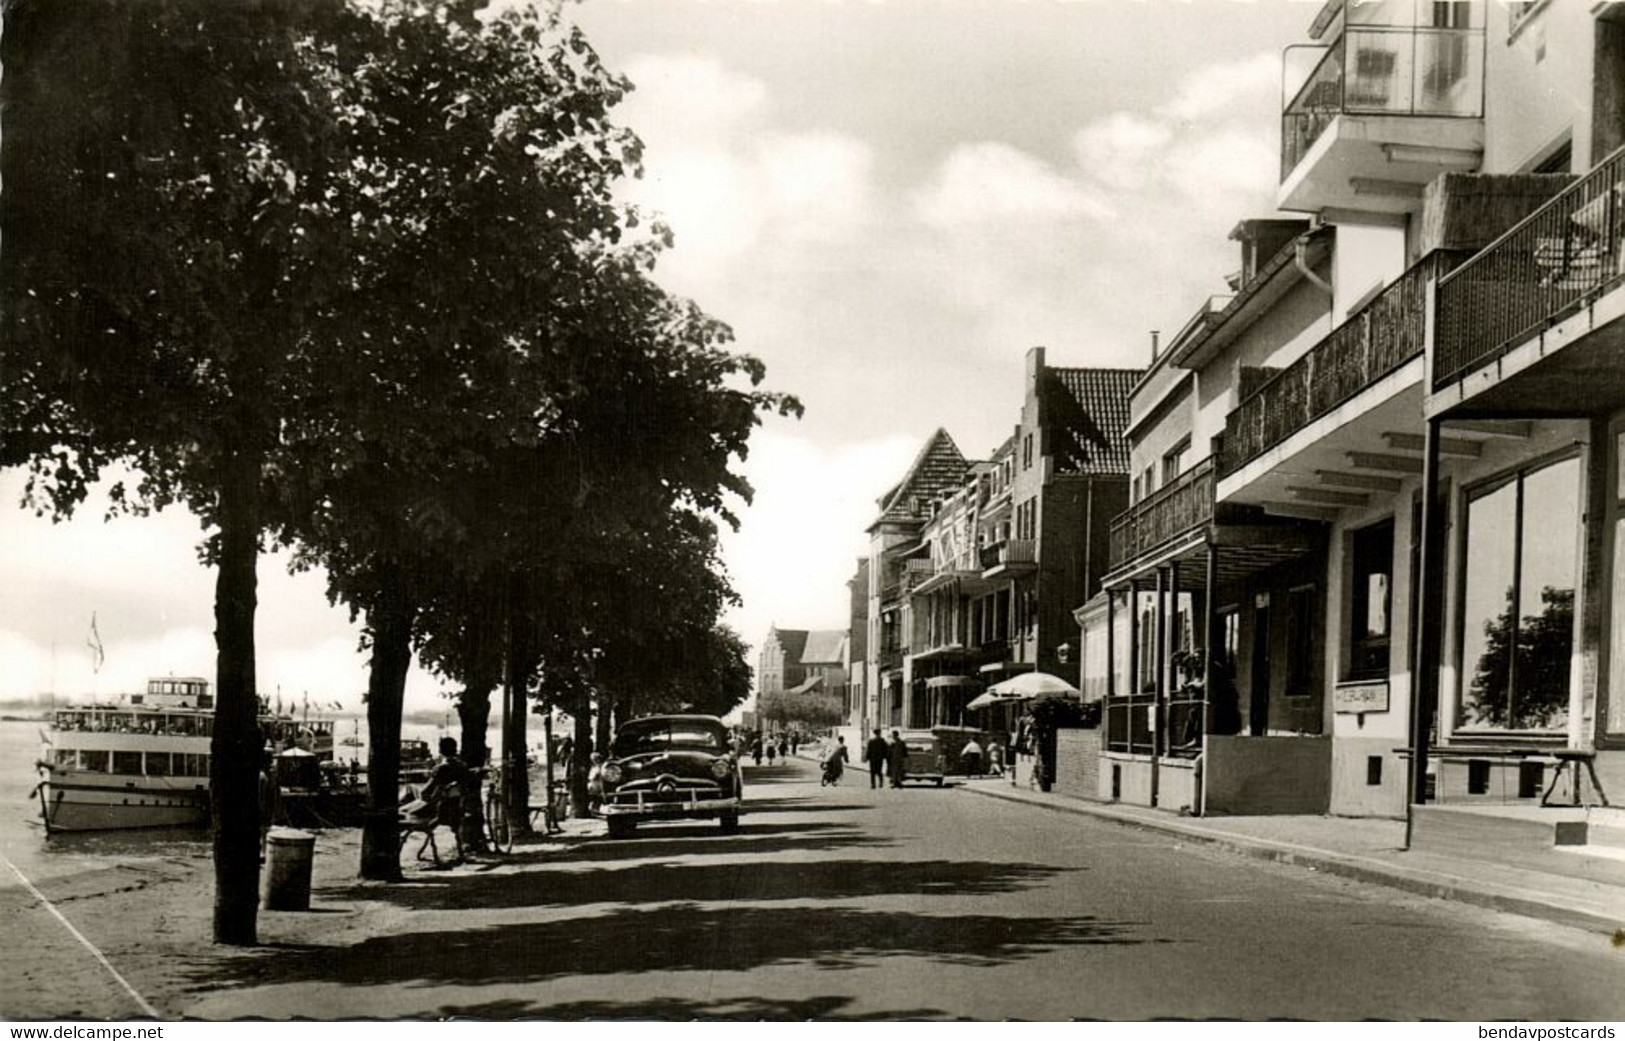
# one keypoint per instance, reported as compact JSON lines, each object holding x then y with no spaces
{"x":829,"y":1008}
{"x":710,"y":881}
{"x":674,"y":938}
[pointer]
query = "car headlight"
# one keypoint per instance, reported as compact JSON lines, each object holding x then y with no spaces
{"x":721,"y":768}
{"x":611,"y":774}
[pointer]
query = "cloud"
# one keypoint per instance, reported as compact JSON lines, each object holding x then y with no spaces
{"x":1118,"y":150}
{"x":992,"y":182}
{"x":693,"y":100}
{"x":800,"y":539}
{"x":725,"y":181}
{"x":1219,"y":89}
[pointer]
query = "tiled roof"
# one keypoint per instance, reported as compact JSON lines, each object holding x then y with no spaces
{"x":939,"y":467}
{"x":1097,"y":443}
{"x":808,"y":686}
{"x":793,"y":641}
{"x":823,"y":647}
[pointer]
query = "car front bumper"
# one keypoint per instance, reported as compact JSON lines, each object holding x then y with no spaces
{"x":647,"y":805}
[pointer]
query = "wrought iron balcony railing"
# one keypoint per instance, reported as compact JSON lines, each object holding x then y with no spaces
{"x":1553,"y":262}
{"x":1386,"y":70}
{"x":1165,"y":514}
{"x":1374,"y":341}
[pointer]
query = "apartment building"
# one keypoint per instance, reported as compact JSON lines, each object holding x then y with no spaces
{"x":975,"y":566}
{"x":1263,"y":617}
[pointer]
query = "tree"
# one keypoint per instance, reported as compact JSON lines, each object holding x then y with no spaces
{"x":168,"y":237}
{"x":1534,"y":655}
{"x":816,"y":711}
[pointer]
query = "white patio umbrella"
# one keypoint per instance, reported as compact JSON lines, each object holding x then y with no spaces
{"x":1032,"y":685}
{"x":988,"y":699}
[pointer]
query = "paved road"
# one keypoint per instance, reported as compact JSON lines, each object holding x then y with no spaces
{"x":846,"y":903}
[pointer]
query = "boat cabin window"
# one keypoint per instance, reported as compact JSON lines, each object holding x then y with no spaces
{"x":157,"y":764}
{"x":126,"y":762}
{"x":187,"y":764}
{"x":67,"y":757}
{"x":94,"y":761}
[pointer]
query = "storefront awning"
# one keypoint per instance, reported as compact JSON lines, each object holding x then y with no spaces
{"x":939,"y":682}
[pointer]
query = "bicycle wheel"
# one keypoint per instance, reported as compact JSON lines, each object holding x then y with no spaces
{"x":497,"y":831}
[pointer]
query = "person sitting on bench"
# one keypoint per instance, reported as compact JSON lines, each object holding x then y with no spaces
{"x":440,"y":803}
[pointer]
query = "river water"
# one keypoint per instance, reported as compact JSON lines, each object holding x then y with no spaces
{"x":38,"y":856}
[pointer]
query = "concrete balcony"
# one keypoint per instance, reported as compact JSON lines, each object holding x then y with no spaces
{"x":1320,"y":434}
{"x":1013,"y":557}
{"x":1535,"y":322}
{"x":1386,"y":110}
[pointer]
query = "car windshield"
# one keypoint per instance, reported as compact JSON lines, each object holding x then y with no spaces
{"x":660,"y":735}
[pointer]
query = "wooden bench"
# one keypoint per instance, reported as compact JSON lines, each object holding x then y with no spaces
{"x":1567,"y":760}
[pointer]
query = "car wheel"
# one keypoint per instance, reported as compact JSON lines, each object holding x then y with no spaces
{"x":620,"y":827}
{"x":730,"y":823}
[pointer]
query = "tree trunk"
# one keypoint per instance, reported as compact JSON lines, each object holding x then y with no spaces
{"x":522,"y":662}
{"x":236,"y":748}
{"x":606,"y":706}
{"x":390,"y":624}
{"x":580,"y":762}
{"x":474,"y":713}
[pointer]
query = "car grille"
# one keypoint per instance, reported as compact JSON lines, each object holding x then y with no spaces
{"x":656,"y":792}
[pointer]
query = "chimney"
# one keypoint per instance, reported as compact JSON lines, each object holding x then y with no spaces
{"x":1155,"y":335}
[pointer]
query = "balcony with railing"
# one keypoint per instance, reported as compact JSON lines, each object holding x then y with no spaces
{"x":1009,"y":557}
{"x":1548,"y":282}
{"x":1383,"y":112}
{"x":1372,"y":343}
{"x":1164,"y":515}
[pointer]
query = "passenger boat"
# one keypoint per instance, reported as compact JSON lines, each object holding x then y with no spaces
{"x":145,"y":763}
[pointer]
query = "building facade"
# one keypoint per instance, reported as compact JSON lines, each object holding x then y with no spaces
{"x":1288,"y":608}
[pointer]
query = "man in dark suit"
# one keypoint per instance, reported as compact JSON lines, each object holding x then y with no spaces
{"x":874,"y":753}
{"x":897,"y":762}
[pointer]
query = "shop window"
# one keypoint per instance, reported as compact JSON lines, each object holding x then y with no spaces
{"x":1371,"y":600}
{"x":1300,"y":642}
{"x":1517,"y":605}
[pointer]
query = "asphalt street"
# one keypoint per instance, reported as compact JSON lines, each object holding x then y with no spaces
{"x":843,"y":903}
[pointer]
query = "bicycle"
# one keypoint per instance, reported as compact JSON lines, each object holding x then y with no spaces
{"x":498,"y":832}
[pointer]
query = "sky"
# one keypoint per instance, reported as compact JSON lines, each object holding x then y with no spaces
{"x":889,"y":201}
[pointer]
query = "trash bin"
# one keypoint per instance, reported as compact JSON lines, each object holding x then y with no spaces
{"x":288,"y":853}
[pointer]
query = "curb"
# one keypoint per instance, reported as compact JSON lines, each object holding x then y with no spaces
{"x":1417,"y":881}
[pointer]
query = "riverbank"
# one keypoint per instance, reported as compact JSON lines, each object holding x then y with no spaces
{"x":150,"y":919}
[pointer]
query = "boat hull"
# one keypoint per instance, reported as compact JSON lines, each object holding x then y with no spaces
{"x":108,"y":802}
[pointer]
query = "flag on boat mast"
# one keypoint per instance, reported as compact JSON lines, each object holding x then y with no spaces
{"x":98,"y":656}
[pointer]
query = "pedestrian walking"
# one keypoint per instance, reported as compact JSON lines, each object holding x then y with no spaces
{"x":874,"y":753}
{"x":971,"y":757}
{"x":795,"y":742}
{"x":897,"y":759}
{"x":835,"y":763}
{"x":756,"y":749}
{"x":784,"y":749}
{"x":772,"y":751}
{"x":995,"y":759}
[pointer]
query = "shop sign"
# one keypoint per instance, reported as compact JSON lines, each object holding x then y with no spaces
{"x":1360,"y":697}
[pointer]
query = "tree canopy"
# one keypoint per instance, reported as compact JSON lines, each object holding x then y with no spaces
{"x":354,"y":277}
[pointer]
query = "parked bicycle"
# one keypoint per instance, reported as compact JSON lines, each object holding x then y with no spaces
{"x":498,"y":831}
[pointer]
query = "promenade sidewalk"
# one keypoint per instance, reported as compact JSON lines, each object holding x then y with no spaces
{"x":1365,"y":849}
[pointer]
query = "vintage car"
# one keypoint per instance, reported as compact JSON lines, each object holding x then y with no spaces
{"x":671,"y":767}
{"x":933,"y":755}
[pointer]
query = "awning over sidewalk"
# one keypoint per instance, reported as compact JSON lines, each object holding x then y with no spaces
{"x":938,"y":682}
